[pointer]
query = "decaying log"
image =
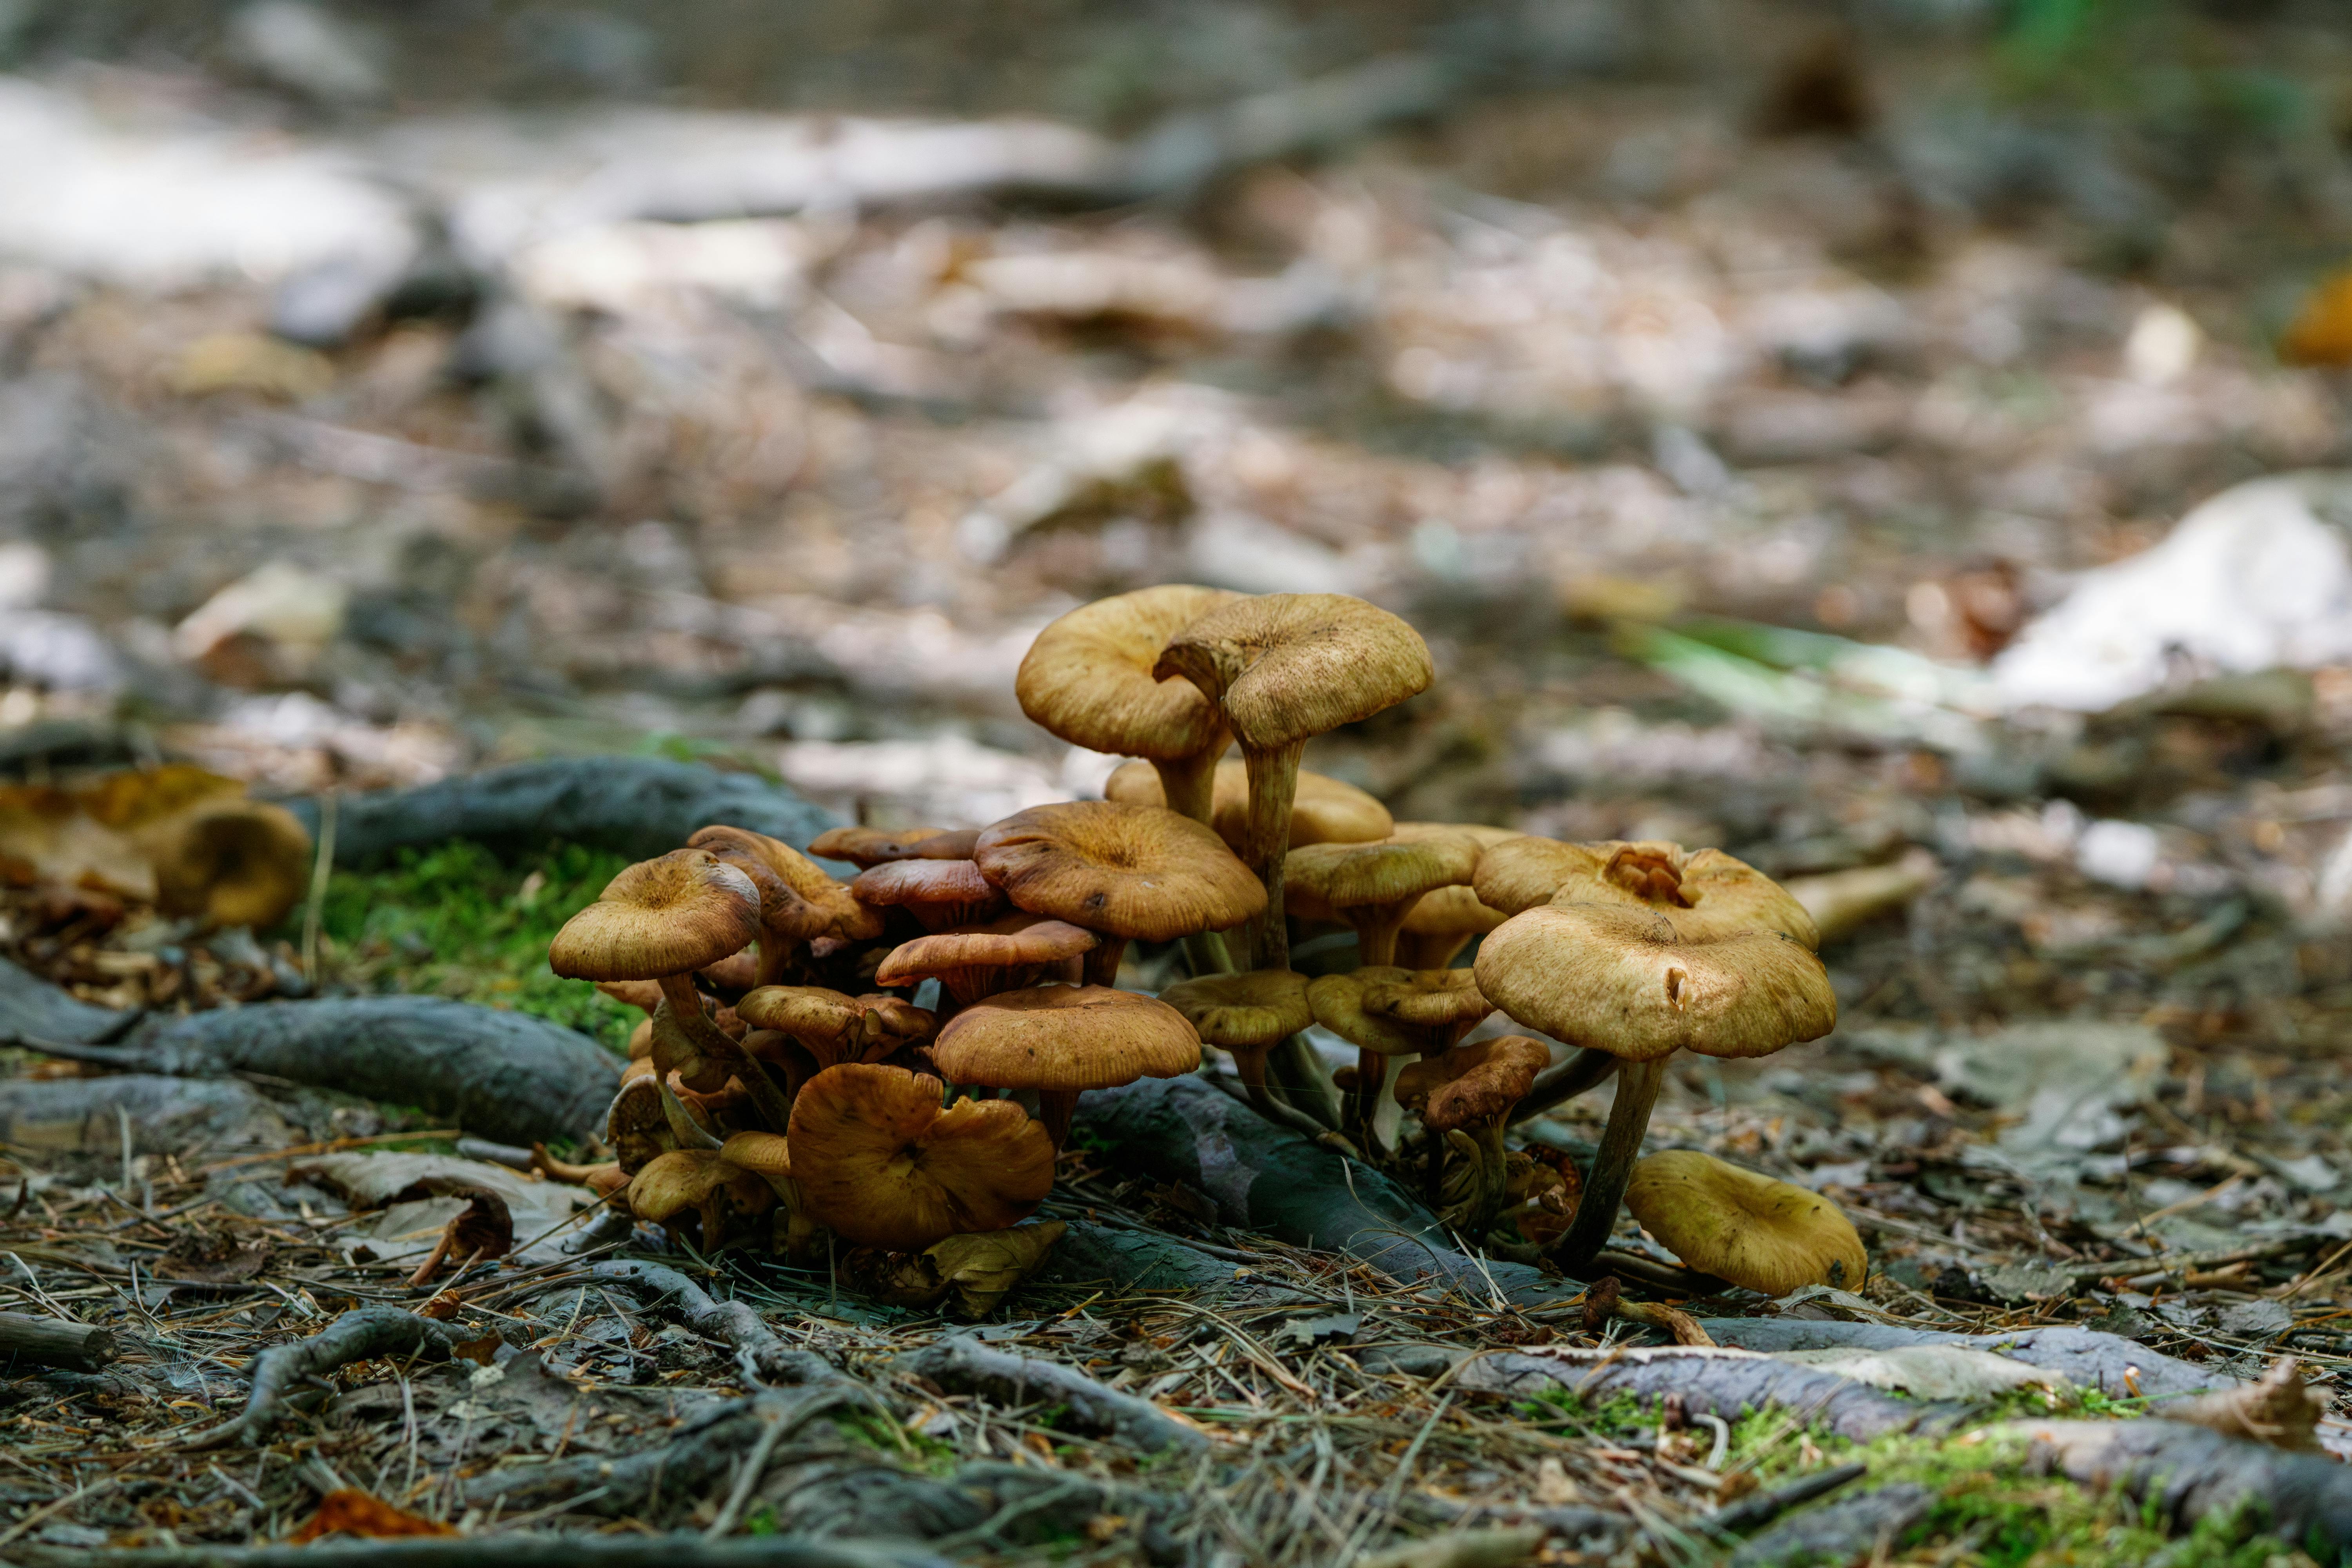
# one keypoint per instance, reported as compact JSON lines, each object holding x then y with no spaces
{"x":1716,"y":1382}
{"x":508,"y":1076}
{"x":1851,"y":1529}
{"x":638,"y":806}
{"x":2188,"y":1473}
{"x":358,"y":1334}
{"x":49,"y":1341}
{"x":87,"y":1115}
{"x":759,"y":1353}
{"x":513,"y":1550}
{"x":962,"y":1364}
{"x":2088,"y":1358}
{"x":1266,"y":1178}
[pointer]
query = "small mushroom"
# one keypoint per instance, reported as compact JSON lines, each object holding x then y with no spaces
{"x":939,"y":894}
{"x":1007,"y":954}
{"x":1735,"y":1225}
{"x":798,"y":902}
{"x":1091,"y":679}
{"x":1469,"y":1094}
{"x":1124,"y":872}
{"x":1061,"y":1040}
{"x":1440,"y":925}
{"x":1323,"y":810}
{"x":835,"y":1027}
{"x":868,"y":846}
{"x":701,"y":1183}
{"x":229,"y":861}
{"x":880,"y":1163}
{"x":1373,"y":887}
{"x":769,"y":1156}
{"x":1246,"y":1015}
{"x":1285,"y":668}
{"x":1389,"y":1015}
{"x":1623,"y":979}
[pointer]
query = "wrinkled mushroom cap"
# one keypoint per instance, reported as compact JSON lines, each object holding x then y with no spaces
{"x":1747,"y":1228}
{"x":881,"y":1165}
{"x":1704,"y":892}
{"x":1066,"y":1037}
{"x":1017,"y":941}
{"x":1475,"y":1083}
{"x":664,"y":916}
{"x":1338,"y":1001}
{"x":1433,"y":999}
{"x":1247,"y":1012}
{"x":1323,"y":810}
{"x":865,"y":846}
{"x":827,"y":1020}
{"x":1518,"y":874}
{"x":813,"y":904}
{"x":234,"y":861}
{"x":939,"y":892}
{"x":1618,"y":979}
{"x":1288,"y":667}
{"x":671,"y":1184}
{"x":1089,"y":679}
{"x":1339,"y":877}
{"x":1127,"y":870}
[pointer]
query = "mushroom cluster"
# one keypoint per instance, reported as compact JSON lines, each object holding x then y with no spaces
{"x":896,"y":1059}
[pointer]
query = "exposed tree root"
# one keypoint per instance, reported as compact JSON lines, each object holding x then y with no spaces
{"x":357,"y":1335}
{"x":961,"y":1365}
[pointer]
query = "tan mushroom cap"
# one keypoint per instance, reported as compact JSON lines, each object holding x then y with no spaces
{"x":832,"y":1025}
{"x":865,"y":846}
{"x":1288,"y":667}
{"x":1449,"y":912}
{"x":1135,"y":871}
{"x":1249,"y":1012}
{"x":1747,"y":1228}
{"x":233,"y":861}
{"x":1705,"y":892}
{"x":938,"y":893}
{"x":1089,"y":676}
{"x":702,"y":1180}
{"x":1518,"y":874}
{"x":1475,"y":1083}
{"x":664,"y":916}
{"x":818,"y":906}
{"x":1620,"y":979}
{"x":1016,"y":942}
{"x":1066,"y":1037}
{"x":1338,"y":1001}
{"x":1437,"y":1000}
{"x":881,"y":1165}
{"x":767,"y":1155}
{"x":1323,"y":810}
{"x":1341,"y":876}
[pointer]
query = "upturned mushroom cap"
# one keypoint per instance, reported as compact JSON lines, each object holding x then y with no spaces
{"x":832,"y":1025}
{"x":1066,"y":1037}
{"x":1518,"y":874}
{"x":1089,"y":676}
{"x":881,"y":1165}
{"x":663,"y":916}
{"x":233,"y":861}
{"x":865,"y":846}
{"x":938,"y":893}
{"x":1747,"y":1228}
{"x":1474,"y":1083}
{"x":1135,"y":871}
{"x":1288,"y":667}
{"x":635,"y":1126}
{"x":813,"y":904}
{"x":1016,"y":942}
{"x":1620,"y":979}
{"x":1250,"y":1012}
{"x":1323,"y":810}
{"x":1341,"y":876}
{"x":1704,"y":892}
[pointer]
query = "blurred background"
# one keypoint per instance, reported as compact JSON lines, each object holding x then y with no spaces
{"x":1749,"y":401}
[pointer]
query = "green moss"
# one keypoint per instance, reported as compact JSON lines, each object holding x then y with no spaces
{"x":458,"y":922}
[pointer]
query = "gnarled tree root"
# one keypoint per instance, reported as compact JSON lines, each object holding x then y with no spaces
{"x":357,"y":1335}
{"x":2188,"y":1473}
{"x":1711,"y":1381}
{"x":961,"y":1365}
{"x":760,"y":1354}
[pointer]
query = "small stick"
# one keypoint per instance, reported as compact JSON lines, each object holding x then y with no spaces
{"x":44,"y":1342}
{"x":321,"y":871}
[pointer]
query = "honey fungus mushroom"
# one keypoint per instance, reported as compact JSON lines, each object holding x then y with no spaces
{"x":880,"y":1163}
{"x":1768,"y":1235}
{"x":831,"y":1027}
{"x":1007,"y":954}
{"x":1090,"y":678}
{"x":1246,"y":1015}
{"x":1622,"y":979}
{"x":1391,"y":1014}
{"x":1061,"y":1040}
{"x":939,"y":894}
{"x":1374,"y":887}
{"x":1124,"y":872}
{"x":702,"y":1183}
{"x":799,"y":903}
{"x":868,"y":846}
{"x":1323,"y":810}
{"x":769,"y":1157}
{"x":1469,"y":1094}
{"x":1284,"y":668}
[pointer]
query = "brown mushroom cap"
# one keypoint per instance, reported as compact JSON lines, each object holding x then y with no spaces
{"x":233,"y":861}
{"x":1135,"y":871}
{"x":1620,"y":979}
{"x":1288,"y":667}
{"x":1016,"y":942}
{"x":767,"y":1155}
{"x":939,"y":893}
{"x":1323,"y":810}
{"x":865,"y":846}
{"x":881,"y":1165}
{"x":1518,"y":874}
{"x":834,"y":1026}
{"x":702,"y":1180}
{"x":1747,"y":1228}
{"x":1441,"y":1001}
{"x":1089,"y":679}
{"x":1704,"y":892}
{"x":1338,"y":1001}
{"x":815,"y":906}
{"x":666,"y":915}
{"x":1341,"y":876}
{"x":1475,"y":1083}
{"x":1248,"y":1012}
{"x":1450,"y":912}
{"x":1066,"y":1037}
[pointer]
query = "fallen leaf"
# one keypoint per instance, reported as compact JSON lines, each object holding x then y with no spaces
{"x":354,"y":1512}
{"x":2276,"y":1409}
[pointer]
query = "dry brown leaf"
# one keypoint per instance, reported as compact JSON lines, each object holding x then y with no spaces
{"x":354,"y":1512}
{"x":2276,"y":1409}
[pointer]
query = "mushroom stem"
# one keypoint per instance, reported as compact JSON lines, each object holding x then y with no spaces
{"x":686,"y":1009}
{"x":1585,"y":1070}
{"x":1102,"y":960}
{"x":1298,"y":1072}
{"x":1376,"y":930}
{"x":1263,"y":1099}
{"x":1493,"y":1178}
{"x":1205,"y":952}
{"x":690,"y":1134}
{"x":1272,"y":785}
{"x":1189,"y":784}
{"x":775,"y":1107}
{"x":1388,"y":1116}
{"x":1612,"y":1167}
{"x":1055,"y":1109}
{"x":776,"y":951}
